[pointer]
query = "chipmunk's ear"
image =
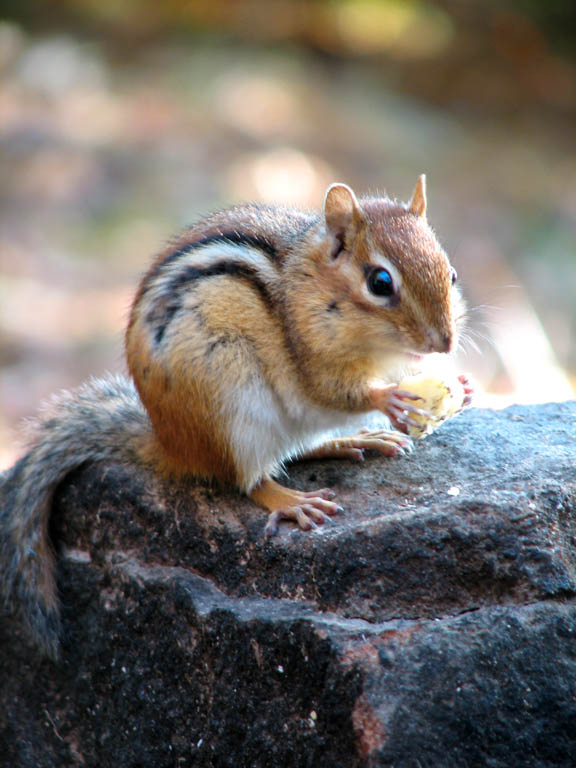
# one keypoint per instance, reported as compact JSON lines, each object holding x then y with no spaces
{"x":343,"y":217}
{"x":417,"y":204}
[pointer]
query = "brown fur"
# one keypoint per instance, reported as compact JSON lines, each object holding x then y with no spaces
{"x":329,"y":359}
{"x":250,"y":336}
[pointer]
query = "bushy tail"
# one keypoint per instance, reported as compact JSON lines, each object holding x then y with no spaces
{"x":102,"y":420}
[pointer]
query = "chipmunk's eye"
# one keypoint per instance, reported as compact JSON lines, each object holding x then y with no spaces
{"x":453,"y":275}
{"x":380,"y":282}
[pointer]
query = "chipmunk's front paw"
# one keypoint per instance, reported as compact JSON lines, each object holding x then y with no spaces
{"x":468,"y":390}
{"x":399,"y":405}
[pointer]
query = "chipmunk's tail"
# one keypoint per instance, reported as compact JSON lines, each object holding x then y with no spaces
{"x":102,"y":420}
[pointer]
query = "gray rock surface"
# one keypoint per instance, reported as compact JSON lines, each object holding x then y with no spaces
{"x":432,"y":624}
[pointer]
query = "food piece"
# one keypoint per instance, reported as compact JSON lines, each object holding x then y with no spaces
{"x":441,"y":398}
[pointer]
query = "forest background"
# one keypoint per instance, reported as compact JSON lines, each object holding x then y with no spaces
{"x":122,"y":121}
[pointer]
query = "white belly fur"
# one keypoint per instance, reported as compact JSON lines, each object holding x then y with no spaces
{"x":265,"y":430}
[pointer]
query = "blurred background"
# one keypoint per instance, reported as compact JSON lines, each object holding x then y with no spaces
{"x":122,"y":121}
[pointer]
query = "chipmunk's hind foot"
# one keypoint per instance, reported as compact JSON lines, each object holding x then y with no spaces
{"x":387,"y":442}
{"x":307,"y":508}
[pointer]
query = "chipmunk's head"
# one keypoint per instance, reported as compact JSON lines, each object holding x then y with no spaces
{"x":390,"y":286}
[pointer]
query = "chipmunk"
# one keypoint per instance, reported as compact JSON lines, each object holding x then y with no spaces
{"x":257,"y":336}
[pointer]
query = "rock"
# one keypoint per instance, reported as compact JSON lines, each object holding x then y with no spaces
{"x":432,"y":624}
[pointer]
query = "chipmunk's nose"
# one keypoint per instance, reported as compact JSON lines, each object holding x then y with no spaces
{"x":445,"y":342}
{"x":440,"y":342}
